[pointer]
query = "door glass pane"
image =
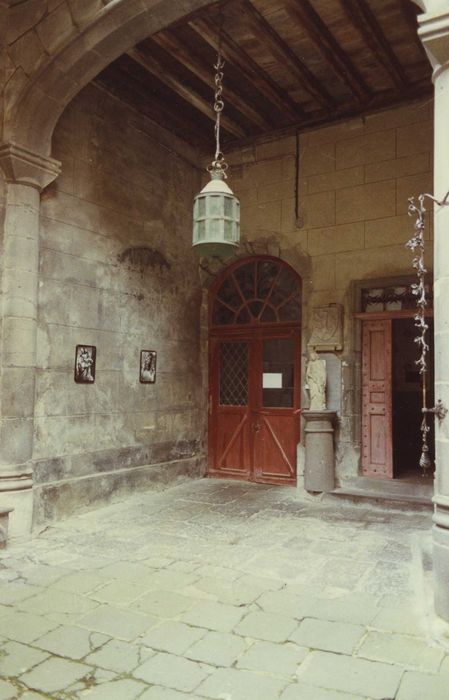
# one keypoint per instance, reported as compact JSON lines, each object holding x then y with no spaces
{"x":278,"y":372}
{"x":229,"y":294}
{"x":291,"y":311}
{"x":268,"y":315}
{"x":234,"y":374}
{"x":222,"y":315}
{"x":245,"y":278}
{"x":266,"y":275}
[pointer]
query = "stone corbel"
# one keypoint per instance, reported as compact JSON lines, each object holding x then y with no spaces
{"x":22,"y":166}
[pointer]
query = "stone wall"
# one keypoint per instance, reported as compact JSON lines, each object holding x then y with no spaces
{"x":117,"y":272}
{"x":348,"y":223}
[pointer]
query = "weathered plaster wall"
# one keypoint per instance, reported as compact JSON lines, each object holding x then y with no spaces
{"x":116,"y":271}
{"x":351,"y":223}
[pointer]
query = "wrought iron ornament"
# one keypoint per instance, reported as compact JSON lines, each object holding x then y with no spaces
{"x":417,"y":245}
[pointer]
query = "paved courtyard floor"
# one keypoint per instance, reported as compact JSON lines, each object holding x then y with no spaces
{"x":226,"y":590}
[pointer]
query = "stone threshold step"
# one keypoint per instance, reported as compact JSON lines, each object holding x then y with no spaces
{"x":383,"y":498}
{"x":411,"y":487}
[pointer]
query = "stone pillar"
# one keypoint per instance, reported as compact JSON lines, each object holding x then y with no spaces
{"x":26,"y":175}
{"x":434,"y":33}
{"x":319,"y":469}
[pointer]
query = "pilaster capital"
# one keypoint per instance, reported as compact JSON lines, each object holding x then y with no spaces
{"x":434,"y":32}
{"x":25,"y":167}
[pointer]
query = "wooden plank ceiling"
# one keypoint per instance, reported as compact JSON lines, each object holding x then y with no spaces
{"x":290,"y":64}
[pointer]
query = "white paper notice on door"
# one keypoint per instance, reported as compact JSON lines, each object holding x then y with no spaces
{"x":272,"y":380}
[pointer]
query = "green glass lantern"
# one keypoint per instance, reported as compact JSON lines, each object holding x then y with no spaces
{"x":216,"y":210}
{"x":216,"y":218}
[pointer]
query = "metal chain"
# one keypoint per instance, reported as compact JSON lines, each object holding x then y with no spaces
{"x":416,"y":243}
{"x":218,"y":164}
{"x":219,"y":103}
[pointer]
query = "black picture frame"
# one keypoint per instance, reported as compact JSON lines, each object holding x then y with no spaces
{"x":85,"y":364}
{"x":147,"y":370}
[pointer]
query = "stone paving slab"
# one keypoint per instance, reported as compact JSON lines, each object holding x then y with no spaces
{"x":400,"y":618}
{"x":241,"y":685}
{"x":401,"y":649}
{"x":357,"y":676}
{"x":7,"y":691}
{"x":54,"y":674}
{"x":156,"y":692}
{"x":420,"y":686}
{"x":16,"y":658}
{"x":117,"y":622}
{"x":172,"y":672}
{"x":122,"y":689}
{"x":217,"y":648}
{"x":301,"y":691}
{"x":119,"y":656}
{"x":173,"y":636}
{"x":71,"y":642}
{"x":261,"y":625}
{"x":213,"y":589}
{"x":341,"y":637}
{"x":25,"y":627}
{"x":278,"y":659}
{"x":214,"y":616}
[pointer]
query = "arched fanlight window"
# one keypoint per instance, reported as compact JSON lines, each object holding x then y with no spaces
{"x":261,"y":291}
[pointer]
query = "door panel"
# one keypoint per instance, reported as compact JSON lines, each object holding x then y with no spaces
{"x":275,"y":449}
{"x":229,"y":420}
{"x":276,"y":419}
{"x":232,"y":443}
{"x":377,"y":441}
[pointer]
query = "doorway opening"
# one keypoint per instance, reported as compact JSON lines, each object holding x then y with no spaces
{"x":392,"y":384}
{"x":254,"y":371}
{"x":407,"y":398}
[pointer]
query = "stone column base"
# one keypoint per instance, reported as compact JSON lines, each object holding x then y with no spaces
{"x":20,"y":501}
{"x":4,"y":524}
{"x":319,"y":471}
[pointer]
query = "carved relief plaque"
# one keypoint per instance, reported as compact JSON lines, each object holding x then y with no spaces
{"x":327,"y":327}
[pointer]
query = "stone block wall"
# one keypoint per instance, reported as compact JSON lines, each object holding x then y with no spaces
{"x":350,"y":224}
{"x":117,"y":272}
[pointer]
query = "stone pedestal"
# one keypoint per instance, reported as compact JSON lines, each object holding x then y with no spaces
{"x":434,"y":33}
{"x":319,"y":470}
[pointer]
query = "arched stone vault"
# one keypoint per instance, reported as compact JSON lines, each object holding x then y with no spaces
{"x":31,"y":116}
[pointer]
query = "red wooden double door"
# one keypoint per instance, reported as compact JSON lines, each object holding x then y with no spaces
{"x":254,"y":377}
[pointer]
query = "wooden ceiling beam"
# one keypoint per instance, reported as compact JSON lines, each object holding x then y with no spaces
{"x":410,"y":13}
{"x":260,"y":80}
{"x":282,"y":52}
{"x":302,"y":11}
{"x":178,"y":50}
{"x":153,"y":66}
{"x":362,"y":17}
{"x":135,"y":94}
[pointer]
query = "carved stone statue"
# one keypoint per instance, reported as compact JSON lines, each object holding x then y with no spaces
{"x":316,"y":381}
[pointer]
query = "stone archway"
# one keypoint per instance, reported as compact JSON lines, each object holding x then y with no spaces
{"x":31,"y":117}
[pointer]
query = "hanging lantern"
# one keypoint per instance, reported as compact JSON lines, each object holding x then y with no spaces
{"x":216,"y":210}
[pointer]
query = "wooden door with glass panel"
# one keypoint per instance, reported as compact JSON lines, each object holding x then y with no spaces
{"x":255,"y":372}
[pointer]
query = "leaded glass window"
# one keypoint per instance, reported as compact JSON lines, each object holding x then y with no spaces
{"x":260,"y":291}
